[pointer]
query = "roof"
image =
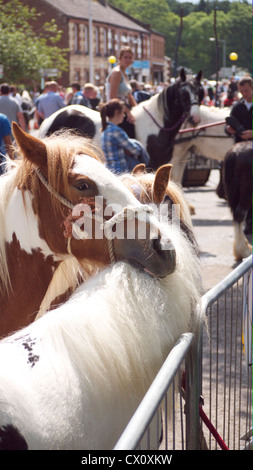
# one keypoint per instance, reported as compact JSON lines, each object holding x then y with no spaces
{"x":100,"y":13}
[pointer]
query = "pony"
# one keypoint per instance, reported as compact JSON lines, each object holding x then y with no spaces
{"x":237,"y":183}
{"x":73,"y":378}
{"x":155,"y":189}
{"x":209,"y":140}
{"x":44,"y":201}
{"x":158,"y":188}
{"x":157,"y":120}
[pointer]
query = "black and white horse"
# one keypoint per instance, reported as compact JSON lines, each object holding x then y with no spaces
{"x":237,"y":182}
{"x":157,"y":120}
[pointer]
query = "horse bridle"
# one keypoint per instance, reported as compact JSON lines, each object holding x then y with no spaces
{"x":127,"y":213}
{"x":180,"y":120}
{"x":183,"y":86}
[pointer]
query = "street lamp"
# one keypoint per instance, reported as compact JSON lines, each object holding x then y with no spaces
{"x":233,"y":56}
{"x":224,"y":49}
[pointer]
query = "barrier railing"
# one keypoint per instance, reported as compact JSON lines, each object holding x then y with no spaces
{"x":227,"y":359}
{"x":218,"y":366}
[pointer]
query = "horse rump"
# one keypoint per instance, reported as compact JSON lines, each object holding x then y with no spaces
{"x":73,"y":119}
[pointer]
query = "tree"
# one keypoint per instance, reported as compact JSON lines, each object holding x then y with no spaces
{"x":234,"y":23}
{"x":22,"y":52}
{"x":239,"y":34}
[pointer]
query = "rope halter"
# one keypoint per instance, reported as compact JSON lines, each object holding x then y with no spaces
{"x":127,"y":213}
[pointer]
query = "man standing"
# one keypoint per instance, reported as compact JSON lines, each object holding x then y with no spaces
{"x":10,"y":108}
{"x":5,"y":141}
{"x":50,"y":102}
{"x":239,"y":123}
{"x":78,"y":97}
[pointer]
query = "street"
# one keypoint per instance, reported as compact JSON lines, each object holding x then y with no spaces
{"x":213,"y":228}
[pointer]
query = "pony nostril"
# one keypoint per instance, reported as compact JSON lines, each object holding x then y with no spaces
{"x":157,"y":244}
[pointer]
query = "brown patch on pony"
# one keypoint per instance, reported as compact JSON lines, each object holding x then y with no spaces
{"x":20,"y":309}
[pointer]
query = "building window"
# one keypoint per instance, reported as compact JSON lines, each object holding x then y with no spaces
{"x":77,"y":37}
{"x":97,"y":40}
{"x":105,"y":42}
{"x":77,"y":75}
{"x":86,"y":39}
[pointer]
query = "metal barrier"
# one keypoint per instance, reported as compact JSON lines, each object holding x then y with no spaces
{"x":147,"y":417}
{"x":227,"y":359}
{"x":217,"y":366}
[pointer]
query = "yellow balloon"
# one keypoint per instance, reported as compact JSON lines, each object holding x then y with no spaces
{"x":233,"y":56}
{"x":112,"y":59}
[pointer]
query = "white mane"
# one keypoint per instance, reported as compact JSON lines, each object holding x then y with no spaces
{"x":97,"y":354}
{"x":6,"y":188}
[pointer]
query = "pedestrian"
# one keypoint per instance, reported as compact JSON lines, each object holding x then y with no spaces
{"x":10,"y":107}
{"x":232,"y":89}
{"x":77,"y":96}
{"x":15,"y":94}
{"x":118,"y":86}
{"x":138,"y":93}
{"x":37,"y":118}
{"x":239,"y":123}
{"x":50,"y":102}
{"x":27,"y":107}
{"x":90,"y":92}
{"x":121,"y":152}
{"x":5,"y":141}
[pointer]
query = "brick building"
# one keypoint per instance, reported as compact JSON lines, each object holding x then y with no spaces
{"x":111,"y":29}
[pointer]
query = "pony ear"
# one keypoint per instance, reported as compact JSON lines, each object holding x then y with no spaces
{"x":31,"y":148}
{"x":198,"y":77}
{"x":182,"y":75}
{"x":139,"y":169}
{"x":162,"y":178}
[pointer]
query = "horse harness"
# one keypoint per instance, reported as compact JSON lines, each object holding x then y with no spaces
{"x":127,"y":213}
{"x":197,"y":132}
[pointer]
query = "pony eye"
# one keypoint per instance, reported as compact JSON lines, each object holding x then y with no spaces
{"x":81,"y":185}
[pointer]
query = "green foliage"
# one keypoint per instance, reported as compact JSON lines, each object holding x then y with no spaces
{"x":22,"y":52}
{"x":234,"y":25}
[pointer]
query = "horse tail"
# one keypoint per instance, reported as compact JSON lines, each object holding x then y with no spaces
{"x":230,"y":180}
{"x":235,"y":170}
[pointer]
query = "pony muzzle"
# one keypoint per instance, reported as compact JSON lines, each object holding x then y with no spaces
{"x":166,"y":256}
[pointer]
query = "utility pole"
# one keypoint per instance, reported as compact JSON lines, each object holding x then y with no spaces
{"x":91,"y":73}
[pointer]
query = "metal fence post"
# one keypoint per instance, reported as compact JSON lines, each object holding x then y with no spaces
{"x":192,"y":394}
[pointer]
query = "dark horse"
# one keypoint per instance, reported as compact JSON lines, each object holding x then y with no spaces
{"x":157,"y":120}
{"x":237,"y":182}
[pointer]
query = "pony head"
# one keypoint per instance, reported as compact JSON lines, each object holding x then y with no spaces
{"x":158,"y":189}
{"x":69,"y":182}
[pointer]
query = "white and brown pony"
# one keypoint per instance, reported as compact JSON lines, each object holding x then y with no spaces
{"x":157,"y":120}
{"x":166,"y":200}
{"x":73,"y":378}
{"x":38,"y":198}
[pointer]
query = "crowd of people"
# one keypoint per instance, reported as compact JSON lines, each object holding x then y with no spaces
{"x":115,"y":101}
